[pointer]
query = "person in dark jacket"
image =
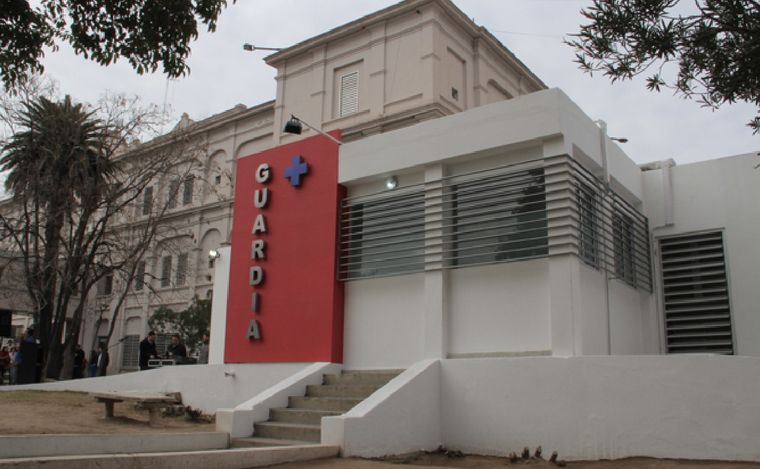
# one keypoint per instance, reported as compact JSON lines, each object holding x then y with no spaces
{"x":102,"y":360}
{"x":176,"y":350}
{"x":27,"y":368}
{"x":148,"y":350}
{"x":93,"y":364}
{"x":78,"y":362}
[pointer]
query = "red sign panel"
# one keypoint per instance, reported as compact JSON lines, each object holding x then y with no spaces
{"x":285,"y":302}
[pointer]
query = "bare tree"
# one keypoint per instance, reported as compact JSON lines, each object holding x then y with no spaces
{"x":94,"y":216}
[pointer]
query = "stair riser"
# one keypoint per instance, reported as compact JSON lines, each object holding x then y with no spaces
{"x":286,"y":433}
{"x":372,"y":379}
{"x":342,"y":405}
{"x":234,"y":444}
{"x":298,"y":416}
{"x":358,"y":392}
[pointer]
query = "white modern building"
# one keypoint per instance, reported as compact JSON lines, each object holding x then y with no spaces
{"x":531,"y":283}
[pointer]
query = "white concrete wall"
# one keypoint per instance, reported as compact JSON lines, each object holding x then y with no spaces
{"x":633,"y":321}
{"x":218,"y":325}
{"x":591,"y":316}
{"x":586,"y":408}
{"x":35,"y":446}
{"x":205,"y":387}
{"x":501,"y":308}
{"x":719,"y":195}
{"x":402,"y":417}
{"x":238,"y":421}
{"x":384,"y":322}
{"x":695,"y":407}
{"x":561,"y":307}
{"x":485,"y":129}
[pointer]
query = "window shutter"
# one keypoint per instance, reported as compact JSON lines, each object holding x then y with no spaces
{"x":181,"y":269}
{"x":139,"y":281}
{"x":166,"y":268}
{"x":187,"y":192}
{"x":349,"y":94}
{"x":173,"y":190}
{"x":147,"y":200}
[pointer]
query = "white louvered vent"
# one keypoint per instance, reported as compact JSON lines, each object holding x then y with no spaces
{"x":695,"y":289}
{"x":349,"y":94}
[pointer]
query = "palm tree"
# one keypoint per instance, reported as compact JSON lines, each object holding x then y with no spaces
{"x":54,"y":165}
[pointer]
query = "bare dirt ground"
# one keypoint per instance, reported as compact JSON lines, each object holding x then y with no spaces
{"x":440,"y":461}
{"x":27,"y":412}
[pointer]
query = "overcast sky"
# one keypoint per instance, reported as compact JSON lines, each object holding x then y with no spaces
{"x":658,"y":126}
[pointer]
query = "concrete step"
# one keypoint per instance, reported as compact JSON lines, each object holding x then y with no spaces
{"x":287,"y":431}
{"x":361,"y":391}
{"x":237,"y":458}
{"x":342,"y":404}
{"x":379,"y":377}
{"x":39,"y":445}
{"x":305,"y":416}
{"x":260,"y":442}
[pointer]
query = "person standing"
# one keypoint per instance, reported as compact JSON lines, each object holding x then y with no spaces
{"x":27,"y":364}
{"x":148,"y":350}
{"x":102,"y":359}
{"x":176,"y":350}
{"x":203,"y":355}
{"x":5,"y":363}
{"x":78,"y":362}
{"x":93,"y":364}
{"x":15,"y":359}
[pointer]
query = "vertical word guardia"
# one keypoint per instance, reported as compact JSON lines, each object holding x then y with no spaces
{"x":256,"y":275}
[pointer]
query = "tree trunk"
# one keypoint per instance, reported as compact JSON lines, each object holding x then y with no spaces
{"x":72,"y":337}
{"x":67,"y":368}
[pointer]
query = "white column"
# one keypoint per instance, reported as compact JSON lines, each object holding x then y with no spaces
{"x":219,"y":307}
{"x":435,"y":276}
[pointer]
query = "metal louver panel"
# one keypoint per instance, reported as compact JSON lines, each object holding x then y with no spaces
{"x":695,"y":294}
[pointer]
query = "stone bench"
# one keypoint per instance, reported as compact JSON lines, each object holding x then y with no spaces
{"x":152,"y":402}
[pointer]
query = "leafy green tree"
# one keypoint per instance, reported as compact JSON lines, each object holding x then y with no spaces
{"x":190,"y":323}
{"x":715,"y":50}
{"x":147,"y":33}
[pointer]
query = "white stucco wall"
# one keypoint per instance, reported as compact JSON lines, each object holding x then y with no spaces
{"x":383,"y":322}
{"x":561,"y":307}
{"x":695,"y":407}
{"x":590,"y":310}
{"x":401,"y":417}
{"x":501,"y":308}
{"x":485,"y":129}
{"x":633,"y":327}
{"x":205,"y":387}
{"x":218,"y":325}
{"x":586,"y":408}
{"x":720,"y":195}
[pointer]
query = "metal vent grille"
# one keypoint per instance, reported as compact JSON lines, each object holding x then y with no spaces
{"x":695,"y":294}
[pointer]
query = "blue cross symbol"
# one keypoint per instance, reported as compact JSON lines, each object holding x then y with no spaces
{"x":297,"y":169}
